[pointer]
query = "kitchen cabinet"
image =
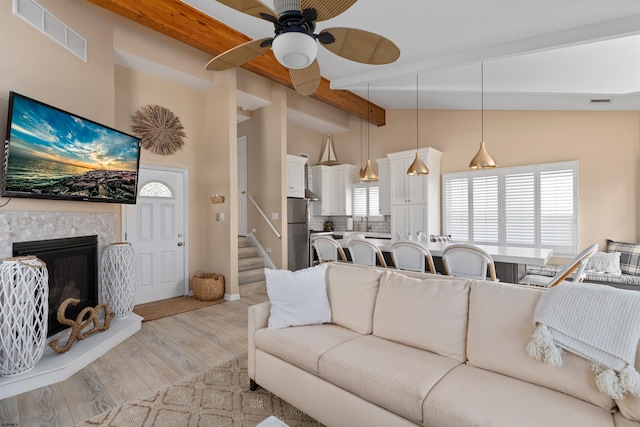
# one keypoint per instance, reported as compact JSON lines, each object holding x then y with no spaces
{"x":295,"y":176}
{"x":332,"y":184}
{"x":415,"y":200}
{"x":384,"y":184}
{"x":410,"y":217}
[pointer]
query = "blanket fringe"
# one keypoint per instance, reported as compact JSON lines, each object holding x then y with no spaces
{"x":608,"y":381}
{"x":630,"y":380}
{"x":615,"y":384}
{"x":542,"y":348}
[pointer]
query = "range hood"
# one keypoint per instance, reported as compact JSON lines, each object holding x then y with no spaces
{"x":308,"y":194}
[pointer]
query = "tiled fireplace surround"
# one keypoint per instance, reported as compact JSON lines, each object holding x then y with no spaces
{"x":18,"y":226}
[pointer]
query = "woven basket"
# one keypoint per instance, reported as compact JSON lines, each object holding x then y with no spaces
{"x":208,"y":286}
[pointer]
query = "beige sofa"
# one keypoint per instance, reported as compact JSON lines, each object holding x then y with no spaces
{"x":412,"y":349}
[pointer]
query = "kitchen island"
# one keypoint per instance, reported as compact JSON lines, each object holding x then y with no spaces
{"x":510,"y":260}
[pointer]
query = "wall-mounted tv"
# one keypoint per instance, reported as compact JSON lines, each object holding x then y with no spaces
{"x":53,"y":154}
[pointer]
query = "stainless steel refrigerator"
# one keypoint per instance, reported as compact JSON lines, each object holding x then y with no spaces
{"x":298,"y":232}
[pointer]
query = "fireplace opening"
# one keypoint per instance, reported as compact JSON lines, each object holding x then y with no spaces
{"x":72,"y":264}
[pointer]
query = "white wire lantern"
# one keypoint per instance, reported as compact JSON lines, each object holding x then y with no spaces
{"x":117,"y":278}
{"x":24,"y":305}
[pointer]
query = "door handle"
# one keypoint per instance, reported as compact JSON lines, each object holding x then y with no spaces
{"x":180,"y":244}
{"x":244,"y":192}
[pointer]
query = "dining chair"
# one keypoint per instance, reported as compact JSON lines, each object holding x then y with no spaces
{"x":577,"y":266}
{"x":470,"y":261}
{"x":328,"y":249}
{"x":412,"y":256}
{"x":364,"y":252}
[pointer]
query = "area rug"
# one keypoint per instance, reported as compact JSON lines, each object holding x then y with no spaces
{"x":217,"y":397}
{"x":169,"y":307}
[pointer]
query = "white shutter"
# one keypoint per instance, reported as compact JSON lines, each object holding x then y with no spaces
{"x":359,"y":200}
{"x":485,"y":209}
{"x":520,"y":209}
{"x":374,"y":200}
{"x":456,"y":207}
{"x":558,"y":218}
{"x":530,"y":206}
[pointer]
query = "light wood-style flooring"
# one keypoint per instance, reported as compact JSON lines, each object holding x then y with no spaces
{"x":162,"y":353}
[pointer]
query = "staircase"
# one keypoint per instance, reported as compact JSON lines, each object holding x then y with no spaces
{"x":250,"y":268}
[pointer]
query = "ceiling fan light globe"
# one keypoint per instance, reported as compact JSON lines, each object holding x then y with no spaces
{"x":295,"y":50}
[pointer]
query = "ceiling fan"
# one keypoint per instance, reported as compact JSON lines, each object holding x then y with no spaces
{"x":295,"y":45}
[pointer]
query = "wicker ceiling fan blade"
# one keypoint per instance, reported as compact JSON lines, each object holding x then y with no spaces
{"x":239,"y":55}
{"x":327,"y":9}
{"x":251,"y":7}
{"x":306,"y":80}
{"x":362,"y":46}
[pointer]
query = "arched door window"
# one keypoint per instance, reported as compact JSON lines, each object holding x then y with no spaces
{"x":155,"y":189}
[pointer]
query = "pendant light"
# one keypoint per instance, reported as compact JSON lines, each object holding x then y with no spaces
{"x":417,"y":167}
{"x":369,"y":173}
{"x":483,"y":159}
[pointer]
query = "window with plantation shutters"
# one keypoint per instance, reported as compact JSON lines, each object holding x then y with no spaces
{"x":528,"y":206}
{"x":456,"y":213}
{"x":366,"y":201}
{"x":484,"y":209}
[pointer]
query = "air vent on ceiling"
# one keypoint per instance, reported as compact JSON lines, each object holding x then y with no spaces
{"x":600,"y":101}
{"x":40,"y":18}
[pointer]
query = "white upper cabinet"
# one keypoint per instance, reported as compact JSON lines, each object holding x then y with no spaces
{"x":295,"y":176}
{"x":332,"y":184}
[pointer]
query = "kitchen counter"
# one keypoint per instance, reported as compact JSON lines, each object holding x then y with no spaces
{"x":367,"y":234}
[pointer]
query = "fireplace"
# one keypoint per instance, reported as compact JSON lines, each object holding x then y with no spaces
{"x":73,"y":273}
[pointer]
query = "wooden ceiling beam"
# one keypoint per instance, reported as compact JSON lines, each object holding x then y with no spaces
{"x":188,"y":25}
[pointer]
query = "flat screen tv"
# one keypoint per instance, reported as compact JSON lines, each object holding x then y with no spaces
{"x":53,"y":154}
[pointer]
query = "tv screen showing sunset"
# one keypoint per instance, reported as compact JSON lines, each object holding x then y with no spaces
{"x":52,"y":152}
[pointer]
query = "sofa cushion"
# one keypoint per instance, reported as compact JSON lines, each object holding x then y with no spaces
{"x":352,"y":291}
{"x":469,"y":396}
{"x":500,"y":327}
{"x":302,"y":346}
{"x":621,"y":421}
{"x":391,"y":375}
{"x":629,"y":255}
{"x":298,"y":297}
{"x":630,"y":406}
{"x":604,"y":263}
{"x":431,"y":314}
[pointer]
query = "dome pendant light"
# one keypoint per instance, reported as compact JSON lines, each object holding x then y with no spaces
{"x":482,"y":159}
{"x":417,"y":167}
{"x":369,"y":173}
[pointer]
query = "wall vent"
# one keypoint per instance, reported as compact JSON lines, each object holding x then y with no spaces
{"x":40,"y":18}
{"x":601,"y":101}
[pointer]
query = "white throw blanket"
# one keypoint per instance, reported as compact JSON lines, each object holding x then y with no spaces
{"x":599,"y":323}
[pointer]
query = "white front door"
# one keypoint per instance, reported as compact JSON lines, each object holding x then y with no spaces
{"x":156,"y":227}
{"x":242,"y":186}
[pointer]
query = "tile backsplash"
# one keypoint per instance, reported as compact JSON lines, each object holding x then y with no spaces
{"x":340,"y":224}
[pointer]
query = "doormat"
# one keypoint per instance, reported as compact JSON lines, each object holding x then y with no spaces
{"x":169,"y":307}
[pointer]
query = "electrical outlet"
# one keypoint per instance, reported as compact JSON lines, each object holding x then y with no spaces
{"x":274,"y":216}
{"x":253,"y":230}
{"x":268,"y":249}
{"x":220,"y":216}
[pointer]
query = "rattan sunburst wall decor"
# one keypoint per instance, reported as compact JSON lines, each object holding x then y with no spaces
{"x":160,"y":131}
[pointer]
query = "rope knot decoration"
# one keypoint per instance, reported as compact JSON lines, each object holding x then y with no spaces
{"x":160,"y":131}
{"x":88,"y":316}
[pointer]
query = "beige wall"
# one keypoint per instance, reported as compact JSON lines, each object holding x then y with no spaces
{"x":38,"y":67}
{"x":606,"y":144}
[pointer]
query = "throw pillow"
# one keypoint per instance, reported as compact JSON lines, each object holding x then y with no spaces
{"x":298,"y":297}
{"x":629,"y":256}
{"x":605,"y":262}
{"x":441,"y":239}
